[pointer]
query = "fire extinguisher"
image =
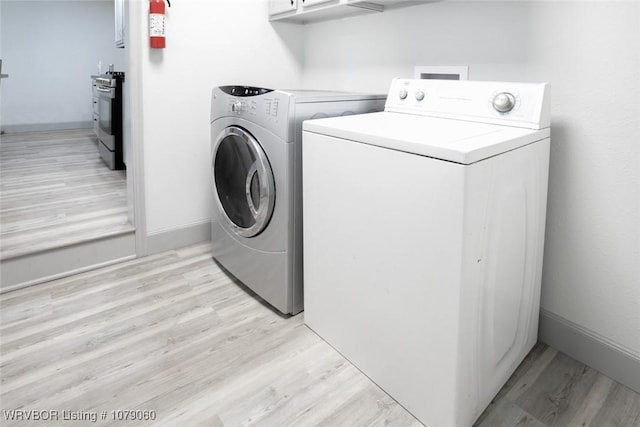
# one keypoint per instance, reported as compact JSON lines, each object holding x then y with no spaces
{"x":157,"y":24}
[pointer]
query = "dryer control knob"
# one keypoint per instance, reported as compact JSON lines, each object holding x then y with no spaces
{"x":504,"y":102}
{"x":238,"y":107}
{"x":403,"y":94}
{"x":419,"y":95}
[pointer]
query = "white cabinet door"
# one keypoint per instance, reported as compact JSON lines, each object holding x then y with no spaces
{"x":281,"y":6}
{"x":315,"y":2}
{"x":390,"y":3}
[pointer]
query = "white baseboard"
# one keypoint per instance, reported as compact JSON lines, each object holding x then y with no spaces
{"x":37,"y":127}
{"x":591,"y":349}
{"x":31,"y":269}
{"x":175,"y":238}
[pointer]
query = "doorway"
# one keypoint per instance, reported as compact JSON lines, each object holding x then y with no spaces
{"x":65,"y":212}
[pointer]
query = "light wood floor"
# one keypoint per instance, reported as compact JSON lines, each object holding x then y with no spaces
{"x":171,"y":333}
{"x":56,"y":191}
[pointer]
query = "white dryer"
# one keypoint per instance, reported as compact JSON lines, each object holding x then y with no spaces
{"x":424,"y":231}
{"x":256,"y":227}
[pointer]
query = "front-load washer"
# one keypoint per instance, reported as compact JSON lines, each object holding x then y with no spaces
{"x":424,"y":229}
{"x":256,"y":227}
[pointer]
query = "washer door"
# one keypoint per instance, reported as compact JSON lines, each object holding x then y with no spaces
{"x":243,"y":181}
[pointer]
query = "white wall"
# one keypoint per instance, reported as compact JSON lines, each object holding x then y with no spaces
{"x":590,"y":53}
{"x":49,"y":49}
{"x":209,"y":43}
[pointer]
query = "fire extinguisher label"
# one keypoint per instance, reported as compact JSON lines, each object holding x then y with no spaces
{"x":156,"y":25}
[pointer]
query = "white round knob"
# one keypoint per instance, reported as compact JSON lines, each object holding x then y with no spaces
{"x":419,"y":95}
{"x":403,"y":94}
{"x":504,"y":102}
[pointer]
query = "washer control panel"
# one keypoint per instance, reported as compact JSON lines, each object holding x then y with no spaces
{"x":514,"y":104}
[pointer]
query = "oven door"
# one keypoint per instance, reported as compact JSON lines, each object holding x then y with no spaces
{"x":106,"y":97}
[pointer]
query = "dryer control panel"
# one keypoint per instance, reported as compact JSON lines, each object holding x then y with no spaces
{"x":523,"y":105}
{"x":281,"y":111}
{"x":265,"y":107}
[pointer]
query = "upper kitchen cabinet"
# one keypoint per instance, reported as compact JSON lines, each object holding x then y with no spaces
{"x":303,"y":11}
{"x":119,"y":22}
{"x":276,"y":7}
{"x":391,"y":4}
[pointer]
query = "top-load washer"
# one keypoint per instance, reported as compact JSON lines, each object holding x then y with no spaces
{"x":424,"y":230}
{"x":256,"y":227}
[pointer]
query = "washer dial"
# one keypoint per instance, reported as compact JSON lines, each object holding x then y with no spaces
{"x":503,"y":102}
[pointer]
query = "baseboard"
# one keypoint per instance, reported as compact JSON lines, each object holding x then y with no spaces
{"x":40,"y":267}
{"x":37,"y":127}
{"x":591,"y":349}
{"x":175,"y":238}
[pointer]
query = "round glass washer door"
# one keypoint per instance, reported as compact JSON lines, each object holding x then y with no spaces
{"x":243,"y":181}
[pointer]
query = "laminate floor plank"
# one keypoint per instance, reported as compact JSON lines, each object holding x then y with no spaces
{"x":105,"y":308}
{"x":621,"y":408}
{"x":593,"y":403}
{"x":56,"y":191}
{"x":557,"y":393}
{"x":507,"y":414}
{"x":172,"y":333}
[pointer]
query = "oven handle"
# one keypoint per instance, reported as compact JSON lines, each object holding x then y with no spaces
{"x":100,"y":89}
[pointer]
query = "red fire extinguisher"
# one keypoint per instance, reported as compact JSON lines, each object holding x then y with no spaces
{"x":157,"y":24}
